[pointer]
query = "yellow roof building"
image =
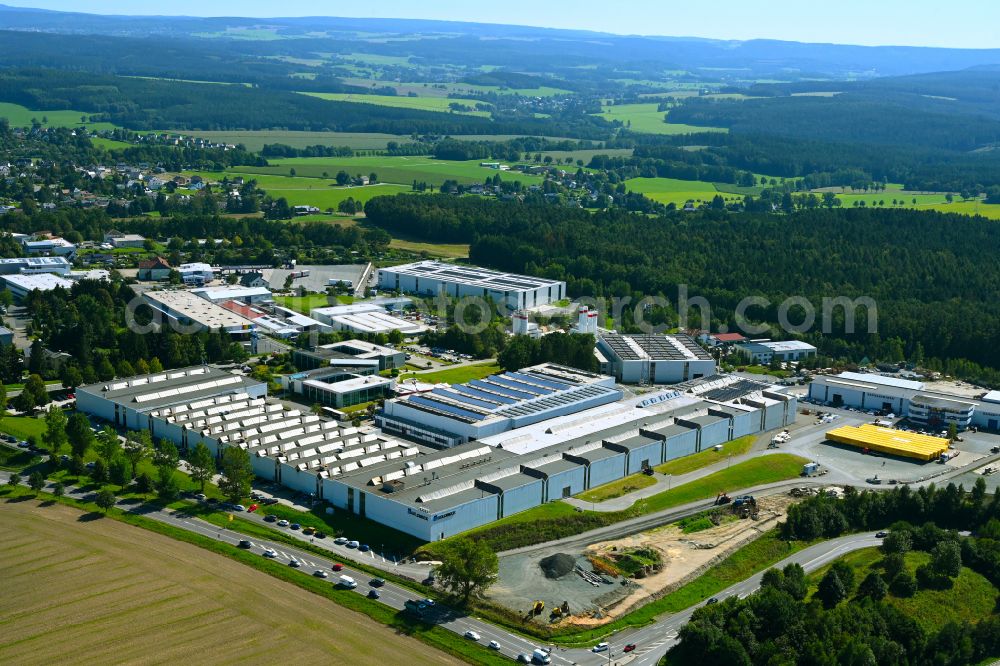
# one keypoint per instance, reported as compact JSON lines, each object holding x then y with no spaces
{"x":889,"y":441}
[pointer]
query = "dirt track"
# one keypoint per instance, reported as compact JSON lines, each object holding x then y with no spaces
{"x":103,"y":592}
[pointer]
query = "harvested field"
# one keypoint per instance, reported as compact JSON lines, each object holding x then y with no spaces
{"x":85,"y":591}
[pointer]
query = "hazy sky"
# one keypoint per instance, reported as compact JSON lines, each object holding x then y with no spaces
{"x":958,"y":23}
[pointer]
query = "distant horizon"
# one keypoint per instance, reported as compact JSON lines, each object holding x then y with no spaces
{"x":887,"y":23}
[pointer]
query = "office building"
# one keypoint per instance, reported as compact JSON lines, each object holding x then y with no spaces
{"x":653,"y":359}
{"x":433,"y":278}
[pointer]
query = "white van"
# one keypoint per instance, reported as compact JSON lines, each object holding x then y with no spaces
{"x":347,"y":582}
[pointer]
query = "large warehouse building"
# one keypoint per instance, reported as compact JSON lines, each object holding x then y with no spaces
{"x":450,"y":415}
{"x":653,"y":359}
{"x":903,"y":397}
{"x":431,"y":278}
{"x":429,"y":492}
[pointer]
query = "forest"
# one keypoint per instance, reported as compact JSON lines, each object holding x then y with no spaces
{"x":138,"y":103}
{"x":850,"y":621}
{"x":931,"y":283}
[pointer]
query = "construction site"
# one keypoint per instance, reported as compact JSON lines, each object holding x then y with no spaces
{"x":592,"y":584}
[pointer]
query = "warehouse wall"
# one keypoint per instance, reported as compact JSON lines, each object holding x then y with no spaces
{"x":572,"y":478}
{"x":607,"y":470}
{"x":650,"y":452}
{"x":714,"y":433}
{"x":524,"y":497}
{"x":681,"y":445}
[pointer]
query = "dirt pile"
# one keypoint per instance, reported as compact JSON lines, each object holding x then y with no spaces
{"x":558,"y":565}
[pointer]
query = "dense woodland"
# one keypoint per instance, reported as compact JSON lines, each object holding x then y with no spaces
{"x":932,"y":284}
{"x":849,"y":621}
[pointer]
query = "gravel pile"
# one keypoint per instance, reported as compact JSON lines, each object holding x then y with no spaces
{"x":558,"y":565}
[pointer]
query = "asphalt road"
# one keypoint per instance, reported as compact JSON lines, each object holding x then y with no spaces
{"x":651,"y":641}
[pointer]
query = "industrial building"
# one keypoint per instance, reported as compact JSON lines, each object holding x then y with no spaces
{"x":127,"y":403}
{"x":453,"y":414}
{"x":653,"y":359}
{"x":433,"y":278}
{"x":933,"y":410}
{"x":21,"y":285}
{"x":196,"y":273}
{"x":186,"y":309}
{"x":429,"y":492}
{"x":364,"y":318}
{"x":764,"y":352}
{"x":350,"y":354}
{"x":30,"y":265}
{"x":889,"y":441}
{"x":335,"y":387}
{"x":240,"y":294}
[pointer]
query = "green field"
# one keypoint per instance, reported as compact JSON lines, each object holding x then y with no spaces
{"x":646,"y":118}
{"x":445,"y":89}
{"x":677,"y":192}
{"x":696,"y":461}
{"x":971,"y":598}
{"x":991,"y":211}
{"x":439,"y":104}
{"x":460,"y":375}
{"x":22,"y":427}
{"x":305,"y":304}
{"x":21,"y":116}
{"x":109,"y":144}
{"x":440,"y":250}
{"x":617,"y":488}
{"x":301,"y":191}
{"x":398,"y":170}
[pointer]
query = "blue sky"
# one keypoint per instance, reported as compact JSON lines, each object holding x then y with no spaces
{"x":958,"y":23}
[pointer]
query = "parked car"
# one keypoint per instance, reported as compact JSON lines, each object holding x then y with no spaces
{"x":353,"y":544}
{"x":239,"y":507}
{"x":245,"y":543}
{"x":523,"y":659}
{"x":340,"y":541}
{"x":711,"y":601}
{"x":600,"y":647}
{"x":294,"y":563}
{"x":373,"y":594}
{"x":364,"y":548}
{"x":200,"y":497}
{"x":309,"y":530}
{"x":337,"y":566}
{"x":283,"y":523}
{"x":252,"y":508}
{"x":319,"y":573}
{"x":270,"y":500}
{"x":269,"y":553}
{"x":629,"y":647}
{"x":881,"y":534}
{"x":472,"y":635}
{"x":296,"y":526}
{"x":270,"y":518}
{"x":376,"y":582}
{"x":320,"y":535}
{"x":494,"y":645}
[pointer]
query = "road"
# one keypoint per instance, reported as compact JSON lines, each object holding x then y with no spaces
{"x":652,"y":641}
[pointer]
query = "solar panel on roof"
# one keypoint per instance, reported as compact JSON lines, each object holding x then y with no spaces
{"x":541,"y":381}
{"x":468,"y":390}
{"x":442,"y":407}
{"x":459,"y":397}
{"x":520,"y":385}
{"x":502,"y":390}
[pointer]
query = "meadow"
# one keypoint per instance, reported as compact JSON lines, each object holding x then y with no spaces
{"x":302,"y":191}
{"x":646,"y":118}
{"x":398,"y":170}
{"x":971,"y":597}
{"x":678,"y":192}
{"x":439,"y":104}
{"x":444,"y":89}
{"x":21,"y":116}
{"x":86,"y":589}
